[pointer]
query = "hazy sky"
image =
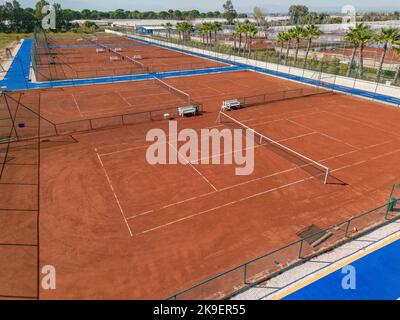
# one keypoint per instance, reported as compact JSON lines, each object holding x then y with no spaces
{"x":212,"y":5}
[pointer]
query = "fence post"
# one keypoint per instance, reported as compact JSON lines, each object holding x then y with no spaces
{"x":301,"y":247}
{"x":245,"y":274}
{"x":347,"y":229}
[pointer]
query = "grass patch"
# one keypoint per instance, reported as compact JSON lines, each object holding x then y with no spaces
{"x":7,"y":38}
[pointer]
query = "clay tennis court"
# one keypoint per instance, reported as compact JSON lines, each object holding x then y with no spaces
{"x":115,"y":226}
{"x":80,"y":58}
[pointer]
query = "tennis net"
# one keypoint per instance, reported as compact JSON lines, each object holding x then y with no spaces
{"x":260,"y":99}
{"x":179,"y":93}
{"x":108,"y":49}
{"x":312,"y":167}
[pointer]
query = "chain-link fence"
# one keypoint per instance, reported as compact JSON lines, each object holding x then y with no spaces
{"x":19,"y":200}
{"x":266,"y":266}
{"x":336,"y":58}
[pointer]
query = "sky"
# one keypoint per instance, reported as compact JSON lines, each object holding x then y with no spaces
{"x":212,"y":5}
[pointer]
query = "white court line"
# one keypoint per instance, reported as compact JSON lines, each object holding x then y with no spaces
{"x":254,"y":195}
{"x":77,"y":105}
{"x":361,"y":122}
{"x":261,"y":178}
{"x":113,"y":191}
{"x":204,"y":178}
{"x":224,"y":205}
{"x":324,"y":134}
{"x":145,"y":145}
{"x":200,"y":160}
{"x":124,"y":99}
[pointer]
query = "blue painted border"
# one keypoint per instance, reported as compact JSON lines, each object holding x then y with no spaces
{"x":377,"y":277}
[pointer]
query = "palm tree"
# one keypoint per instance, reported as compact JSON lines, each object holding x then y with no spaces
{"x":216,"y":26}
{"x":169,"y":27}
{"x":289,"y":38}
{"x":210,"y":29}
{"x":281,"y":39}
{"x":203,"y":30}
{"x":251,"y":31}
{"x":311,"y":32}
{"x":387,"y":36}
{"x":239,"y":32}
{"x":184,"y":28}
{"x":397,"y":74}
{"x":298,"y":34}
{"x":359,"y":36}
{"x":179,"y":28}
{"x":365,"y":36}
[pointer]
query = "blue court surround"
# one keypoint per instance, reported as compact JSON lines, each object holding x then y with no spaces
{"x":17,"y":77}
{"x":377,"y":278}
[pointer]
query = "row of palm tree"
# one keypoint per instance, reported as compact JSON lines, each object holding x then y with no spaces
{"x":185,"y":29}
{"x":298,"y":33}
{"x":361,"y":35}
{"x":208,"y":29}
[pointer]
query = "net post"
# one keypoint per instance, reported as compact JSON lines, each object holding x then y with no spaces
{"x":347,"y":229}
{"x":300,"y":248}
{"x":326,"y":176}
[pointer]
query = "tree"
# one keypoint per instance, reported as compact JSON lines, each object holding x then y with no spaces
{"x":298,"y":34}
{"x":15,"y":19}
{"x":85,"y":14}
{"x":185,"y":29}
{"x":206,"y":30}
{"x":289,"y":37}
{"x":215,"y":27}
{"x":168,"y":26}
{"x":229,"y":12}
{"x":239,"y":30}
{"x":281,"y":39}
{"x":311,"y":32}
{"x":397,"y":74}
{"x":38,"y":9}
{"x":259,"y":16}
{"x":387,"y":36}
{"x":89,"y":27}
{"x":250,"y":32}
{"x":359,"y":36}
{"x":297,"y":13}
{"x":203,"y":30}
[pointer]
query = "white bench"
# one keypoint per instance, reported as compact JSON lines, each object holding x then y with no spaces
{"x":138,"y":57}
{"x":115,"y":58}
{"x":118,"y":49}
{"x":100,"y":50}
{"x":187,"y":111}
{"x":231,"y":104}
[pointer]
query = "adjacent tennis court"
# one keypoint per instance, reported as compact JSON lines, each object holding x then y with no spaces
{"x":110,"y":218}
{"x":93,"y":57}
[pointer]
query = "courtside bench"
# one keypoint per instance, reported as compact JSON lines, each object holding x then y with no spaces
{"x":189,"y":111}
{"x":231,"y":104}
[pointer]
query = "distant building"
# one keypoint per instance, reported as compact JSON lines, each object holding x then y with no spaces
{"x":149,"y":29}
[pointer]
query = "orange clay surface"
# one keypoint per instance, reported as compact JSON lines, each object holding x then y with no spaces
{"x":115,"y":226}
{"x":85,"y":62}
